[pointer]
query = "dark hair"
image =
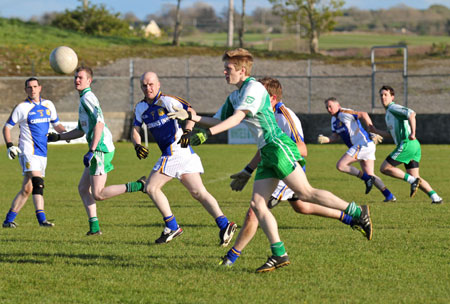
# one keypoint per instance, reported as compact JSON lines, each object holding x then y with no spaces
{"x":330,"y":99}
{"x":31,"y":79}
{"x":387,"y":88}
{"x":273,"y":86}
{"x":87,"y":69}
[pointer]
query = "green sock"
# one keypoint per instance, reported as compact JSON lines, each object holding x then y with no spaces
{"x":134,"y":186}
{"x":93,"y":224}
{"x":278,"y":249}
{"x":431,"y":193}
{"x":353,"y":210}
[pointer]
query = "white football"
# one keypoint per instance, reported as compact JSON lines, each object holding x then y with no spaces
{"x":63,"y":60}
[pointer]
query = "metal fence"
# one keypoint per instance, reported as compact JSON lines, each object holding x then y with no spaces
{"x":306,"y":84}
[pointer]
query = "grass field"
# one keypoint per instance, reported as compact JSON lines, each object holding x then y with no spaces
{"x":408,"y":260}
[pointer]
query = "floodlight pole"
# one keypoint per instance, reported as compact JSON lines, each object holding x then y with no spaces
{"x":230,"y":23}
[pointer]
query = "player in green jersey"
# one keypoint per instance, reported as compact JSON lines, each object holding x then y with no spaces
{"x":250,"y":103}
{"x":401,"y":123}
{"x":97,"y":160}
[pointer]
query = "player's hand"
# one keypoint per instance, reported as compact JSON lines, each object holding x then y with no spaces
{"x":200,"y":137}
{"x":240,"y":179}
{"x":88,"y":158}
{"x":52,"y":137}
{"x":141,"y":151}
{"x":377,"y":139}
{"x":13,"y":151}
{"x":185,"y":138}
{"x":323,"y":139}
{"x":180,"y":114}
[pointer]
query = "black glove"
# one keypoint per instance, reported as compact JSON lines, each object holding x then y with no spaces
{"x":52,"y":137}
{"x":185,"y":139}
{"x":141,"y":151}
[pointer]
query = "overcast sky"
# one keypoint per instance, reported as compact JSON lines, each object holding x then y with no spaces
{"x":25,"y":9}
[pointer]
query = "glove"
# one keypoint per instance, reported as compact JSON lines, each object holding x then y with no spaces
{"x":240,"y":179}
{"x":141,"y":151}
{"x":52,"y":137}
{"x":377,"y":139}
{"x":87,"y":158}
{"x":180,"y":114}
{"x":13,"y":151}
{"x":322,"y":139}
{"x":200,"y":137}
{"x":185,"y":139}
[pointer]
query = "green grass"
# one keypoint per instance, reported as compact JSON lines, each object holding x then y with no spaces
{"x":406,"y":262}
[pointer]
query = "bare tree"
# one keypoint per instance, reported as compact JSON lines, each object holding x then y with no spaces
{"x":177,"y":29}
{"x":230,"y":23}
{"x":242,"y":28}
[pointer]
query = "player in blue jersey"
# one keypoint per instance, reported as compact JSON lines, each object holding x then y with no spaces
{"x":33,"y":116}
{"x":401,"y":123}
{"x":291,"y":125}
{"x":250,"y":104}
{"x":346,"y":125}
{"x":178,"y":160}
{"x":98,"y":160}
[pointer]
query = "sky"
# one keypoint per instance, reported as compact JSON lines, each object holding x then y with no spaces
{"x":25,"y":9}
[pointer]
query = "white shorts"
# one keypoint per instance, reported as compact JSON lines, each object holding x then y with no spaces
{"x":282,"y":192}
{"x":33,"y":163}
{"x":179,"y":164}
{"x":362,"y":152}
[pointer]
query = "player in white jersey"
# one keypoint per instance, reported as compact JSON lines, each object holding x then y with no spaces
{"x":33,"y":116}
{"x":250,"y":103}
{"x":97,"y":160}
{"x":178,"y":160}
{"x":346,"y":125}
{"x":291,"y":126}
{"x":401,"y":123}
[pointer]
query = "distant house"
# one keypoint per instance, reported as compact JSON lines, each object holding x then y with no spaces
{"x":152,"y":29}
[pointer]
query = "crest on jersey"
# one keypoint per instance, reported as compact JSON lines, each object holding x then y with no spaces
{"x":47,"y":112}
{"x":161,"y":112}
{"x":27,"y":165}
{"x":249,"y":99}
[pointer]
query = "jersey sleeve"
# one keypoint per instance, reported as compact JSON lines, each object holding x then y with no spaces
{"x":290,"y":124}
{"x":400,"y":111}
{"x":17,"y":115}
{"x":332,"y":124}
{"x":138,"y":111}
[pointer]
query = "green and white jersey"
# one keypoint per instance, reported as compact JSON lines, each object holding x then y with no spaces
{"x":89,"y":114}
{"x":397,"y":122}
{"x":260,"y":119}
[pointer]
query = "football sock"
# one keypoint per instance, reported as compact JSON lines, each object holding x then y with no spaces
{"x":409,"y":178}
{"x":345,"y":218}
{"x":171,"y":222}
{"x":353,"y":210}
{"x":233,"y":254}
{"x":278,"y":249}
{"x":434,"y":196}
{"x":134,"y":186}
{"x":222,"y":222}
{"x":10,"y":217}
{"x":387,"y":194}
{"x":365,"y":176}
{"x":40,"y":214}
{"x":93,"y":224}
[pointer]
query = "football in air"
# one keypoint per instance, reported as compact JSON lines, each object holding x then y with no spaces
{"x":63,"y":60}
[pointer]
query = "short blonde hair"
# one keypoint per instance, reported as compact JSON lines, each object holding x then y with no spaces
{"x":273,"y":87}
{"x":240,"y":58}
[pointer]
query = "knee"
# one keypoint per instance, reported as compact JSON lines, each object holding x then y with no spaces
{"x":38,"y":185}
{"x":251,"y":216}
{"x":300,"y":207}
{"x":152,"y":189}
{"x":340,"y":167}
{"x":98,"y":196}
{"x":26,"y":191}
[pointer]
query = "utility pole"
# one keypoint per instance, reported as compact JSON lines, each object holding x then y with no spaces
{"x":230,"y":23}
{"x":85,"y":4}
